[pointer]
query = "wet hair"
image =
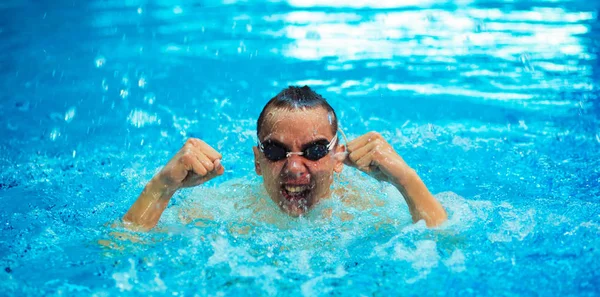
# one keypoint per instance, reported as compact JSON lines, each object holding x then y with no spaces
{"x":297,"y":98}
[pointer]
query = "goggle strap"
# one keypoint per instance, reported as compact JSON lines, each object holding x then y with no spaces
{"x":332,"y":143}
{"x":288,"y":154}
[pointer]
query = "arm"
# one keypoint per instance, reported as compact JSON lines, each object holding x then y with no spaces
{"x":193,"y":165}
{"x":370,"y":153}
{"x":147,"y":209}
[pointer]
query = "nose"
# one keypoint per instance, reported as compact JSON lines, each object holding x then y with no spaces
{"x":295,"y":167}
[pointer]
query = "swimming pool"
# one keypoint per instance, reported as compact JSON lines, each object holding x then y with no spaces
{"x":494,"y":103}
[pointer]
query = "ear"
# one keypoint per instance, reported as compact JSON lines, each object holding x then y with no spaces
{"x":256,"y":163}
{"x":340,"y":151}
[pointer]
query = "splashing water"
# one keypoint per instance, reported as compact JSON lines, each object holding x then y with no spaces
{"x":494,"y":104}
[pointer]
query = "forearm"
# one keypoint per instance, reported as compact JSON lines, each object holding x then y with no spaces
{"x":147,"y":209}
{"x":422,"y":205}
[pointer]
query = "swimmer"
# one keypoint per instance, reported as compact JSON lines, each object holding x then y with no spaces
{"x":297,"y":153}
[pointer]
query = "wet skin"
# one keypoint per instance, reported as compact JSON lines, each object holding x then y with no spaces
{"x":296,"y":183}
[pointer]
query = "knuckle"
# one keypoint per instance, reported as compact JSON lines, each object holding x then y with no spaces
{"x":186,"y":158}
{"x":190,"y":141}
{"x":377,"y":153}
{"x":374,"y":135}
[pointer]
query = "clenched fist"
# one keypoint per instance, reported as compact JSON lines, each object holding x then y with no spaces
{"x":372,"y":154}
{"x":195,"y":163}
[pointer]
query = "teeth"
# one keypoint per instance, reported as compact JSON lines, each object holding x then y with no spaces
{"x":296,"y":189}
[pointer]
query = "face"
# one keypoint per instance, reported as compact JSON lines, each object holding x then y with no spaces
{"x":296,"y":183}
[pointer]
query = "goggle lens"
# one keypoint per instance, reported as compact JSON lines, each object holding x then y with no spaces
{"x":275,"y":152}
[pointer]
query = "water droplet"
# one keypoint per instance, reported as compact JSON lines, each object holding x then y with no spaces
{"x":142,"y":82}
{"x":55,"y":133}
{"x":70,"y":114}
{"x":522,"y":124}
{"x":124,"y":94}
{"x":177,"y":10}
{"x":248,"y":27}
{"x":74,"y":153}
{"x":140,"y":10}
{"x":139,"y":118}
{"x":100,"y":61}
{"x":104,"y":85}
{"x":149,"y":98}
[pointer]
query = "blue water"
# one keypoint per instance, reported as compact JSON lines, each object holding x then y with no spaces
{"x":494,"y":103}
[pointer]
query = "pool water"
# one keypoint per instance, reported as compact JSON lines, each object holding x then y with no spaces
{"x":494,"y":103}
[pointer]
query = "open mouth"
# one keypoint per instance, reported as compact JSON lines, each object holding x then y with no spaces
{"x":295,"y":193}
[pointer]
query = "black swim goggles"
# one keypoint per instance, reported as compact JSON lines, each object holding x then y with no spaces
{"x":275,"y":151}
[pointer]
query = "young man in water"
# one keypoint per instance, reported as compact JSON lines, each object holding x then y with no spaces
{"x":297,"y":155}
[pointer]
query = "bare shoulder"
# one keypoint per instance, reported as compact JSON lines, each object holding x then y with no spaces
{"x":360,"y":193}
